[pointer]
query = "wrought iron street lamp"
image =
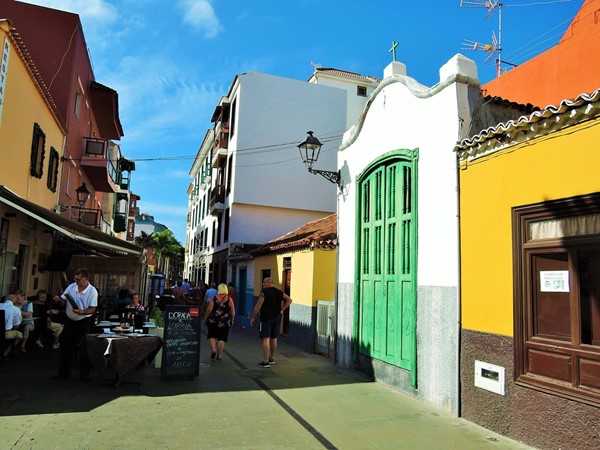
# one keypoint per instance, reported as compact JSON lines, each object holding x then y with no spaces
{"x":309,"y":152}
{"x":83,"y":194}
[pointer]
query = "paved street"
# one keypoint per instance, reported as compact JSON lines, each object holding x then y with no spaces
{"x":302,"y":402}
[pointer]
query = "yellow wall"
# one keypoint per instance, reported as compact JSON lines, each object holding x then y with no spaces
{"x":563,"y":164}
{"x":313,"y":275}
{"x":303,"y":278}
{"x":262,"y":263}
{"x":24,"y":106}
{"x":325,"y":272}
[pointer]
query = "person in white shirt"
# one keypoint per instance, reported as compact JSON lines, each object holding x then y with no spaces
{"x":78,"y":323}
{"x":27,"y":324}
{"x":12,"y":320}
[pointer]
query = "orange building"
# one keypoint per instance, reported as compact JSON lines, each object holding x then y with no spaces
{"x":564,"y":71}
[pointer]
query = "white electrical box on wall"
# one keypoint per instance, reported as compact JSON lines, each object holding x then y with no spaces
{"x":490,"y":377}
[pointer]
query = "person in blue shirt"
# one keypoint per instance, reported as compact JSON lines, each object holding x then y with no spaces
{"x":210,"y":293}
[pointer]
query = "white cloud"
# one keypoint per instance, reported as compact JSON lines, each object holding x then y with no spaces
{"x":161,"y":102}
{"x":90,"y":9}
{"x":201,"y":15}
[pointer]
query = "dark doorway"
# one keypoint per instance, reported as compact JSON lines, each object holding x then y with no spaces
{"x":287,"y":281}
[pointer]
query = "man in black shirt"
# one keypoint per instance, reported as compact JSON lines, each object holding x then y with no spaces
{"x":271,"y":303}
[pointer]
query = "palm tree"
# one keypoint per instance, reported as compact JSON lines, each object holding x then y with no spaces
{"x":144,"y":240}
{"x":167,"y":250}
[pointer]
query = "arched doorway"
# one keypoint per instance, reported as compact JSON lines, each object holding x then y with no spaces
{"x":386,"y":260}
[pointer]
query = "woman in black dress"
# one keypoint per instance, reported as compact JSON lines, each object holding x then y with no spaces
{"x":220,"y":316}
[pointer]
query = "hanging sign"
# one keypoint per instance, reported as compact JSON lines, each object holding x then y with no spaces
{"x":554,"y":281}
{"x":3,"y":72}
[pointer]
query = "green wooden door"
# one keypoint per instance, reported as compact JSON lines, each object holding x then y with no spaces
{"x":386,"y":269}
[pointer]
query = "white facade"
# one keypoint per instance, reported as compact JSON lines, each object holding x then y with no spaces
{"x":252,"y":152}
{"x":358,"y":88}
{"x":404,"y":115}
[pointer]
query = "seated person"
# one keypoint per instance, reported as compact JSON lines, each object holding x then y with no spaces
{"x":12,"y":320}
{"x":55,"y":321}
{"x":27,"y":324}
{"x":135,"y":302}
{"x":121,"y":301}
{"x":40,"y":309}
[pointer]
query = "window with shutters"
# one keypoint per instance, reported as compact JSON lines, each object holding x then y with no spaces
{"x":53,"y":169}
{"x":38,"y":152}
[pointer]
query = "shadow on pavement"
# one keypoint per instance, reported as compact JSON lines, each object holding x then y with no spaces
{"x":27,"y":387}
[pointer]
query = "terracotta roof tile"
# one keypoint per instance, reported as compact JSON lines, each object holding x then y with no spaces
{"x":552,"y":118}
{"x":26,"y":56}
{"x":320,"y":233}
{"x":345,"y":73}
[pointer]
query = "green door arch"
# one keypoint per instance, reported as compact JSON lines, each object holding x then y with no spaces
{"x":386,"y":258}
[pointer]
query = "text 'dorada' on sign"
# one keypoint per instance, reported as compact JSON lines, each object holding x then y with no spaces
{"x":181,"y":342}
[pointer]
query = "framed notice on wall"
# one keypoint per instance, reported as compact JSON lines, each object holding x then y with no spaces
{"x":554,"y":281}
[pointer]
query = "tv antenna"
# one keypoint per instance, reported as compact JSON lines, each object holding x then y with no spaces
{"x":495,"y":47}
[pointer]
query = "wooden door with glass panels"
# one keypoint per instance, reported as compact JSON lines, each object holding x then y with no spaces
{"x":387,"y":256}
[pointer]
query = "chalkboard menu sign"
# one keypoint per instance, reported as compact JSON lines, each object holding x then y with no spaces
{"x":181,"y":342}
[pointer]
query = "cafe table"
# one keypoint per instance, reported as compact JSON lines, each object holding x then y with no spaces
{"x":121,"y":352}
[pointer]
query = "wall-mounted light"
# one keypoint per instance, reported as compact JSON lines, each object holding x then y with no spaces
{"x":309,"y":152}
{"x":83,"y":195}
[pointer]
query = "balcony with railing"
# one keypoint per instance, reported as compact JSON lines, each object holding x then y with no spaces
{"x":97,"y":166}
{"x":217,"y":200}
{"x":87,"y":216}
{"x":120,"y":222}
{"x":220,"y":147}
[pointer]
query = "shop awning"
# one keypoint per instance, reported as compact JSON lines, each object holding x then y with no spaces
{"x":68,"y":227}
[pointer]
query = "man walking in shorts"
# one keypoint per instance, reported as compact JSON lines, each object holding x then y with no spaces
{"x":271,"y":303}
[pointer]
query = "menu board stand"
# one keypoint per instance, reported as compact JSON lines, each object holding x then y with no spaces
{"x":181,"y":342}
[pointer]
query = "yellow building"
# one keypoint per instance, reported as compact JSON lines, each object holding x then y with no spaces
{"x":302,"y":263}
{"x":31,"y":144}
{"x":530,"y":275}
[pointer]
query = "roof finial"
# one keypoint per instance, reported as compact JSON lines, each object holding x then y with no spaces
{"x":393,"y":50}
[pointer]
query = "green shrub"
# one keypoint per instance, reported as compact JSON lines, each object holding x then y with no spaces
{"x":159,"y":318}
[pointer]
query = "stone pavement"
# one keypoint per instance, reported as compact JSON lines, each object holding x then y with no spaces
{"x":302,"y":402}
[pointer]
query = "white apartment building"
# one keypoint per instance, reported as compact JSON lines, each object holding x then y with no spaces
{"x":249,"y":184}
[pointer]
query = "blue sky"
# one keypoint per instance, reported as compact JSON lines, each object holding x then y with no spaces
{"x":171,"y":61}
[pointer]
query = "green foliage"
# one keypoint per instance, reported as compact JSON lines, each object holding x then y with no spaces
{"x":158,"y":316}
{"x":166,"y":249}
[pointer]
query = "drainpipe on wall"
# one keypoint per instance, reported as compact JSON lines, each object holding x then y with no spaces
{"x":459,"y":296}
{"x":337,"y":277}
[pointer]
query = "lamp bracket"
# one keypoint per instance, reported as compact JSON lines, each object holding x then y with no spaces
{"x":334,"y":177}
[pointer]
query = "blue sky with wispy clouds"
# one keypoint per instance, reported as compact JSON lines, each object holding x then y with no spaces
{"x":171,"y":61}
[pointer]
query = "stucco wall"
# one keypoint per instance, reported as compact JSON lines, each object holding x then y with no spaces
{"x":538,"y":419}
{"x":24,"y":106}
{"x":402,"y":114}
{"x":274,"y":114}
{"x":488,"y":192}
